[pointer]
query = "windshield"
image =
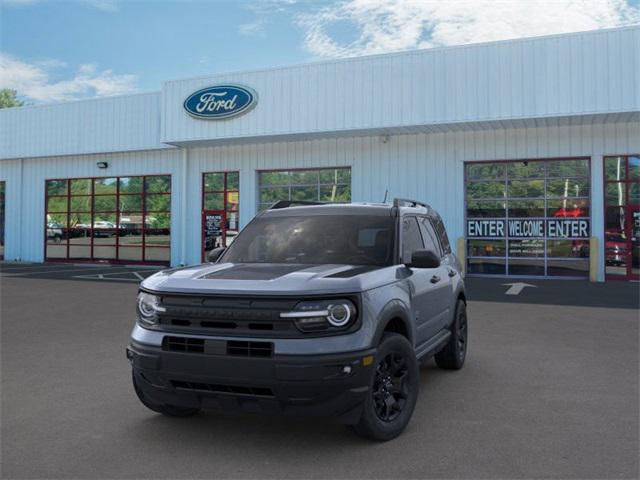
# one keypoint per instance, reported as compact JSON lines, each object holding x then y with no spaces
{"x":317,"y":239}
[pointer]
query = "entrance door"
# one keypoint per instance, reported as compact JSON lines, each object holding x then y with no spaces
{"x":220,"y":215}
{"x":622,"y":217}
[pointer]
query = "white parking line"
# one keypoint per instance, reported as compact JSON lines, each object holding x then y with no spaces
{"x":109,"y":276}
{"x":32,"y":272}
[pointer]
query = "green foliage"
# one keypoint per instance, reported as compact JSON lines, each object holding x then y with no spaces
{"x":8,"y":98}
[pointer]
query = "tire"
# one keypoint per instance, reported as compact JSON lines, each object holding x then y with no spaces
{"x":452,"y":356}
{"x":168,"y":410}
{"x":389,"y":404}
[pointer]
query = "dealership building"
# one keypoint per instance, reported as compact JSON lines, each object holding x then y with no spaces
{"x":529,"y":149}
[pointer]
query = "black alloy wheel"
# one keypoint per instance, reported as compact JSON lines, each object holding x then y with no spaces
{"x":462,"y":336}
{"x":454,"y":353}
{"x":393,"y":390}
{"x":390,"y":390}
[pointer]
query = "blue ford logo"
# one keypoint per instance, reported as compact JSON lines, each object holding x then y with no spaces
{"x":220,"y":101}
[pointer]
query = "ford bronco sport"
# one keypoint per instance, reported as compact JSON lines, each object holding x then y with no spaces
{"x":314,"y":309}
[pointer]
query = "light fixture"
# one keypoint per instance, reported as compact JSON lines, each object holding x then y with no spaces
{"x":102,"y":165}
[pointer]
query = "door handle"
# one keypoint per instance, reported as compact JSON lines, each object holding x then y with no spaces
{"x":435,"y":279}
{"x":452,"y":273}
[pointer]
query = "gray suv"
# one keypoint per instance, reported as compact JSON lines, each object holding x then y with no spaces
{"x":314,"y":309}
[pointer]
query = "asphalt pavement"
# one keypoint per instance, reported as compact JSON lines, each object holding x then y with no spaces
{"x":549,"y":391}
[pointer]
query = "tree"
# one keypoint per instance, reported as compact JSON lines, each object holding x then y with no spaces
{"x":8,"y":98}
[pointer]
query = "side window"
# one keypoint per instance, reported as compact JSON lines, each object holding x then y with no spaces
{"x":411,"y":238}
{"x":442,"y":236}
{"x":430,"y":239}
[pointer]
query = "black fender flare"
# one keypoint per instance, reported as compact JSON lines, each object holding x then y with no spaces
{"x":393,"y":309}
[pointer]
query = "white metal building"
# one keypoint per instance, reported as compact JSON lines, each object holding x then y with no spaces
{"x":528,"y":148}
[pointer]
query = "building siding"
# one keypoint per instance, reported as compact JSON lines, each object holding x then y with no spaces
{"x":116,"y":124}
{"x":547,"y":77}
{"x":427,"y":167}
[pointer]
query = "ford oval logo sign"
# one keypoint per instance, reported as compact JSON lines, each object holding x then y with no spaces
{"x":220,"y":101}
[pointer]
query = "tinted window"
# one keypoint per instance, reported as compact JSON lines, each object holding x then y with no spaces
{"x":429,"y":237}
{"x":411,"y":238}
{"x":317,"y":239}
{"x":442,"y":236}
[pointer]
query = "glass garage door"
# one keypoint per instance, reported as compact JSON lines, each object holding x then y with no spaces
{"x":116,"y":219}
{"x":324,"y":185}
{"x":528,"y":218}
{"x":622,"y":217}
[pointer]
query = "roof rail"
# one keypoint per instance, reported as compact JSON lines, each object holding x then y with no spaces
{"x":405,"y":202}
{"x":292,"y":203}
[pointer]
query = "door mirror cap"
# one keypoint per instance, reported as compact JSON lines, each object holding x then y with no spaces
{"x":424,"y":259}
{"x":215,"y":254}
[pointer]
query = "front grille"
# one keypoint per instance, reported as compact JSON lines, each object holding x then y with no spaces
{"x":217,"y":347}
{"x":249,"y":349}
{"x":183,"y":344}
{"x":229,"y":389}
{"x":228,"y":316}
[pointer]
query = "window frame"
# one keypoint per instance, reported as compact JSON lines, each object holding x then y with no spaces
{"x":117,"y":230}
{"x":260,"y":187}
{"x":627,"y":207}
{"x":506,"y":200}
{"x":225,"y":211}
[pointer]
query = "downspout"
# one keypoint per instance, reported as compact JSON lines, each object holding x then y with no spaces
{"x":183,"y":208}
{"x":20,"y":235}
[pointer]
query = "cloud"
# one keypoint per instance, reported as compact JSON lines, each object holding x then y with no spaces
{"x":379,"y":26}
{"x":253,"y":28}
{"x":104,"y":5}
{"x":34,"y":80}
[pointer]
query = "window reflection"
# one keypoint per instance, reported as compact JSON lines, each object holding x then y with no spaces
{"x":522,"y":194}
{"x":327,"y":185}
{"x":107,"y":219}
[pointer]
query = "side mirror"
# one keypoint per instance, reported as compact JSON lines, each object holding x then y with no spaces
{"x":424,"y":259}
{"x":215,"y":254}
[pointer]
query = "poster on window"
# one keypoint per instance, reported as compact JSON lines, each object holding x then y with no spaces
{"x":528,"y":228}
{"x":212,"y":231}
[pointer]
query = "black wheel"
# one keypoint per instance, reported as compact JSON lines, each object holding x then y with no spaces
{"x":393,"y":390}
{"x":169,"y":410}
{"x":452,"y":356}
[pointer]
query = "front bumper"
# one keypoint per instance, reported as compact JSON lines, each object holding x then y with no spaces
{"x":331,"y":385}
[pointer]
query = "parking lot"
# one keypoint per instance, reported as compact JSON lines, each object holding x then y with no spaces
{"x":550,"y":389}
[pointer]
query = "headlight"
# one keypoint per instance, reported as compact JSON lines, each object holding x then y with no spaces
{"x":323,"y":315}
{"x":148,"y":308}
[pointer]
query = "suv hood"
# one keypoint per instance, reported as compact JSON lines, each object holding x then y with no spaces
{"x":270,"y":279}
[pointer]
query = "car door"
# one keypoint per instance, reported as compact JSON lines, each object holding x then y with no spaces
{"x":444,"y":284}
{"x":423,"y":287}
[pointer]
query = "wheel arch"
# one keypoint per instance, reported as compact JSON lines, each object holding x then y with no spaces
{"x":395,"y":318}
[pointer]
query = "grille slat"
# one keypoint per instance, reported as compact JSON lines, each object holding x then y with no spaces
{"x":229,"y":316}
{"x":227,"y":389}
{"x":249,"y":349}
{"x":200,"y":345}
{"x":183,"y":344}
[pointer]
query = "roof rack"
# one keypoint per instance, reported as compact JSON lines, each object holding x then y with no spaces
{"x":405,"y":202}
{"x":292,"y":203}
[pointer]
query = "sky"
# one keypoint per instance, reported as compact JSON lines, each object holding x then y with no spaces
{"x":55,"y":50}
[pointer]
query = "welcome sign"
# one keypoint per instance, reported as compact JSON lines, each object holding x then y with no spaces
{"x":526,"y":228}
{"x":220,"y":102}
